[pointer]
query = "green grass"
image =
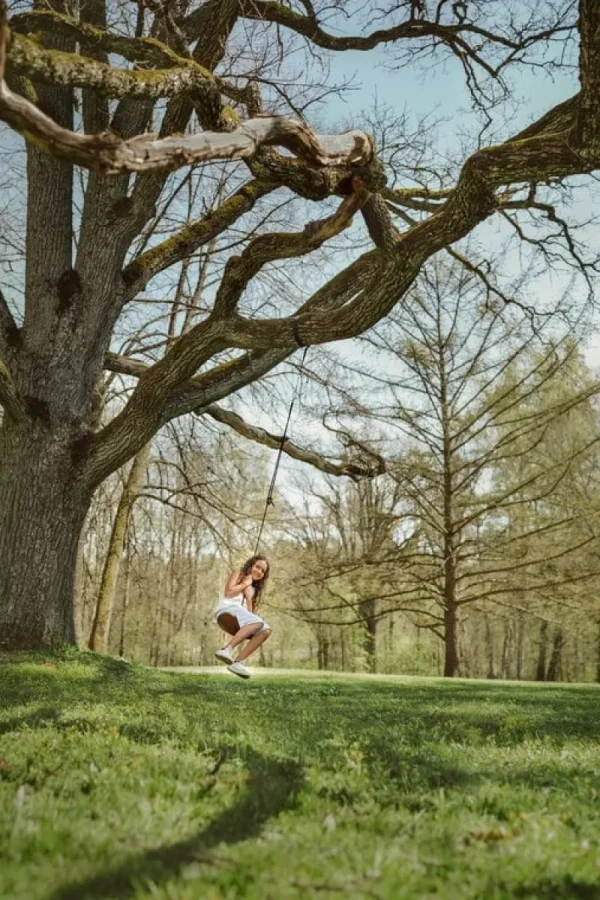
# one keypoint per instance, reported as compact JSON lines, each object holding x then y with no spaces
{"x":120,"y":782}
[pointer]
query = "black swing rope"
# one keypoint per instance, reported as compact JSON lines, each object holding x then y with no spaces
{"x":269,"y":501}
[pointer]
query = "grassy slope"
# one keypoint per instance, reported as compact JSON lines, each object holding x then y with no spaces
{"x":119,"y":782}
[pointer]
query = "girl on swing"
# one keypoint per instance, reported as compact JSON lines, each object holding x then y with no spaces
{"x":236,"y":614}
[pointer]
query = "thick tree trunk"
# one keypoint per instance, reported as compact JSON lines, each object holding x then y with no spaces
{"x":43,"y":506}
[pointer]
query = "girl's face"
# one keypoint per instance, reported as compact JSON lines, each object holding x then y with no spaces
{"x":259,"y":569}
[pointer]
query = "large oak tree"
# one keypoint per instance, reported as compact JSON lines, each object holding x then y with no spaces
{"x":53,"y":451}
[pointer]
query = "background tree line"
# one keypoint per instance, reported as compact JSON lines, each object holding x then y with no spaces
{"x":475,"y":552}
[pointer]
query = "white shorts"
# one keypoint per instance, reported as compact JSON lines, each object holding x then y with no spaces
{"x":243,"y":616}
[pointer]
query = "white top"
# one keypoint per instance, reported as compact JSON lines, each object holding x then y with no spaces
{"x":237,"y":600}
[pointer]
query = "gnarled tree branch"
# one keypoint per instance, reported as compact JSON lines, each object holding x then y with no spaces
{"x":268,"y":247}
{"x":181,"y":245}
{"x":28,"y":58}
{"x":110,"y":154}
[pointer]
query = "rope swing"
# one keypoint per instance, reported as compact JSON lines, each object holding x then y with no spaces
{"x":269,"y":501}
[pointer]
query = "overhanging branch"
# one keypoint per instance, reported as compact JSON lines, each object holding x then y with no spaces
{"x":269,"y":247}
{"x":110,"y":154}
{"x":210,"y":387}
{"x":261,"y":436}
{"x":29,"y":58}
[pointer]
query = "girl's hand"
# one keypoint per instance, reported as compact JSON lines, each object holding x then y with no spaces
{"x":237,"y":583}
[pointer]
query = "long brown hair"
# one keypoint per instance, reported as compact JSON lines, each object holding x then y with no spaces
{"x":257,"y":585}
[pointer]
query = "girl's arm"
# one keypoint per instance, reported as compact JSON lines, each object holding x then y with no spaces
{"x":237,"y":583}
{"x":249,"y":595}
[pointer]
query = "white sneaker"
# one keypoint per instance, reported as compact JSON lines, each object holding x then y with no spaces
{"x":239,"y":669}
{"x":224,"y":655}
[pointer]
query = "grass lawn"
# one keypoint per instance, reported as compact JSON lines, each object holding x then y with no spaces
{"x":121,"y":782}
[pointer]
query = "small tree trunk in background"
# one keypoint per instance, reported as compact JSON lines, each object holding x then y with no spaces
{"x":489,"y":640}
{"x":464,"y":659}
{"x":576,"y":660}
{"x":520,"y":642}
{"x":368,"y":613}
{"x":540,"y":672}
{"x":126,"y":591}
{"x":322,"y":653}
{"x":554,"y":667}
{"x":153,"y":649}
{"x":390,"y":644}
{"x":598,"y":651}
{"x":504,"y":666}
{"x":451,"y":658}
{"x":106,"y":596}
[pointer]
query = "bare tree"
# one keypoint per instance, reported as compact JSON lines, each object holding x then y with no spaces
{"x":480,"y":402}
{"x":53,"y":454}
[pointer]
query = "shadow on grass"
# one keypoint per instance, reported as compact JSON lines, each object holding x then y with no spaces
{"x":272,"y":786}
{"x":561,"y":888}
{"x":37,"y":719}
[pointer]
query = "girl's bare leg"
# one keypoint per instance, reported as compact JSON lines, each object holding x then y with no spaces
{"x":252,"y":644}
{"x":242,"y":635}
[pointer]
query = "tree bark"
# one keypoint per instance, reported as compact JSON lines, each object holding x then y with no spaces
{"x":322,"y":653}
{"x":42,"y":510}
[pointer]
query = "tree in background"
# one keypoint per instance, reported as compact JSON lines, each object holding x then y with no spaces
{"x":341,"y":557}
{"x":495,"y":421}
{"x":544,"y":531}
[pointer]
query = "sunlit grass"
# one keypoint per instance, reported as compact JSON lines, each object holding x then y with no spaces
{"x":119,"y":782}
